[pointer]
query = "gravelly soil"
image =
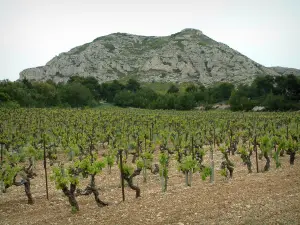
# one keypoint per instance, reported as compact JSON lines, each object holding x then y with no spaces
{"x":264,"y":198}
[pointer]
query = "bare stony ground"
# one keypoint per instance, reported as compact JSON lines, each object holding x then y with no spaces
{"x":264,"y":198}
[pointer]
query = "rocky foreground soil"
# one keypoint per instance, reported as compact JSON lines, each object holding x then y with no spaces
{"x":264,"y":198}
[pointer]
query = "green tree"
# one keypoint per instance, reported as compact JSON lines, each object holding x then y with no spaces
{"x":77,"y":95}
{"x":173,"y":89}
{"x":186,"y":102}
{"x":133,"y":85}
{"x":263,"y":85}
{"x":191,"y":88}
{"x":109,"y":90}
{"x":221,"y":92}
{"x":46,"y":94}
{"x":274,"y":102}
{"x":238,"y":101}
{"x":124,"y":98}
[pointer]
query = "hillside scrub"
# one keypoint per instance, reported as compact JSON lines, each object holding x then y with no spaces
{"x":273,"y":93}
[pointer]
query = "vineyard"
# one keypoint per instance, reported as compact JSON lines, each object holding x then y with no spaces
{"x":79,"y":166}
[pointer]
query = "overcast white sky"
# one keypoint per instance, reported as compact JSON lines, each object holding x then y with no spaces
{"x":33,"y":31}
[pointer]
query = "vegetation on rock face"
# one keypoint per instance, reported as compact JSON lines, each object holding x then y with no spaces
{"x":187,"y":56}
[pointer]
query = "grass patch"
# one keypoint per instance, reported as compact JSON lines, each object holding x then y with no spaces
{"x":180,"y":45}
{"x":154,"y":43}
{"x":80,"y":49}
{"x":104,"y":38}
{"x":158,"y":87}
{"x":202,"y":43}
{"x":110,"y":47}
{"x":163,"y":87}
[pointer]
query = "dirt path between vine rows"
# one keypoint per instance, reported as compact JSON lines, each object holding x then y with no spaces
{"x":264,"y":198}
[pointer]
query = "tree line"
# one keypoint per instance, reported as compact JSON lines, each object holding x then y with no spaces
{"x":274,"y":93}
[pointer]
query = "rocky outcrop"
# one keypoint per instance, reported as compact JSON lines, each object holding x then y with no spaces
{"x":286,"y":71}
{"x":187,"y":56}
{"x":258,"y":108}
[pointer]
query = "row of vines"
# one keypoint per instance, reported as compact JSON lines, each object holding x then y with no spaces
{"x":73,"y":145}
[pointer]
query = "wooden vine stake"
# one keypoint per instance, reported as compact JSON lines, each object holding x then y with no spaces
{"x":1,"y":146}
{"x":122,"y":176}
{"x":256,"y":156}
{"x":45,"y":167}
{"x":212,"y":146}
{"x":255,"y":148}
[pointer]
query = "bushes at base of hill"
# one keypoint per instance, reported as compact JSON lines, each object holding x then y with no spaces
{"x":274,"y":93}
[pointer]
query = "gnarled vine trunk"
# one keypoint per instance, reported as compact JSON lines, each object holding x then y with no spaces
{"x":28,"y":191}
{"x":282,"y":153}
{"x":247,"y":160}
{"x":71,"y":196}
{"x":129,"y":180}
{"x":29,"y":174}
{"x":26,"y":183}
{"x":92,"y":189}
{"x":267,"y":166}
{"x":156,"y":169}
{"x":227,"y":164}
{"x":249,"y":166}
{"x":292,"y":157}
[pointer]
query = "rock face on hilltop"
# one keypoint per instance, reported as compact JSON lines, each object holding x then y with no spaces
{"x":286,"y":71}
{"x":187,"y":56}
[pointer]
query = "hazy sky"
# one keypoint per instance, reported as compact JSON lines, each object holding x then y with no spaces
{"x":34,"y":31}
